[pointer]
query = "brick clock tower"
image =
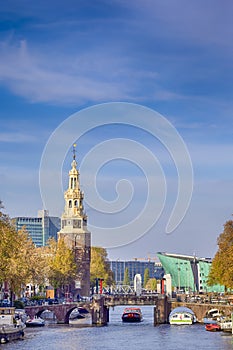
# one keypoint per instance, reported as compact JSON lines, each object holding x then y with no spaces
{"x":75,"y":232}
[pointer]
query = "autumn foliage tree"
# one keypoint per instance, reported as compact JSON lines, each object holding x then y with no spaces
{"x":61,"y":266}
{"x":19,"y":263}
{"x":22,"y":263}
{"x":222,"y":266}
{"x":99,"y":266}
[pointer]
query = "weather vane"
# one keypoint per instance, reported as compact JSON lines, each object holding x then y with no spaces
{"x":74,"y":151}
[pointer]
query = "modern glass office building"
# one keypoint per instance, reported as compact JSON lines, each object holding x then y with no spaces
{"x":40,"y":228}
{"x":134,"y":267}
{"x":188,"y":273}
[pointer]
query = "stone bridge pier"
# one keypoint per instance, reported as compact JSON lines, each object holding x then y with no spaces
{"x":100,"y":312}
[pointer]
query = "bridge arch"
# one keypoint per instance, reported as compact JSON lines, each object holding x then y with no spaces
{"x":61,"y":311}
{"x":200,"y":310}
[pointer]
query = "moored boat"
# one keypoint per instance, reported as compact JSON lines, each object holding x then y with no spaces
{"x":181,"y":316}
{"x":212,"y":327}
{"x":132,"y":314}
{"x":225,"y":324}
{"x":79,"y":313}
{"x":35,"y":322}
{"x":212,"y":316}
{"x":10,"y":328}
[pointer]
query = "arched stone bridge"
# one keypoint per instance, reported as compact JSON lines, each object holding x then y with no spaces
{"x":164,"y":306}
{"x":61,"y":311}
{"x":99,"y":308}
{"x":201,"y":309}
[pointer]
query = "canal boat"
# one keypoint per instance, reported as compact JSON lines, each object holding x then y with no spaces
{"x":212,"y":327}
{"x":132,"y":314}
{"x":10,"y":327}
{"x":225,"y":324}
{"x":79,"y":313}
{"x":35,"y":322}
{"x":181,"y":316}
{"x":212,"y":316}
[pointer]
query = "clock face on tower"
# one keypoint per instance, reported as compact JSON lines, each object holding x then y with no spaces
{"x":77,"y":223}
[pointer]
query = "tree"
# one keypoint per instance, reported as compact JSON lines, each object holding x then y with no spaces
{"x":126,"y":277}
{"x":60,"y":258}
{"x":18,"y":257}
{"x":100,"y":267}
{"x":221,"y":271}
{"x":146,"y":277}
{"x":151,"y":284}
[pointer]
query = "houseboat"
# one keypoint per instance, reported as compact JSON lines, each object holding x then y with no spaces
{"x":10,"y":327}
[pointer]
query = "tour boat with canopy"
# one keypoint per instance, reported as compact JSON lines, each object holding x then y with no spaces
{"x":132,"y":314}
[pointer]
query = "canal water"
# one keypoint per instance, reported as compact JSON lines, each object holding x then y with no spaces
{"x":118,"y":335}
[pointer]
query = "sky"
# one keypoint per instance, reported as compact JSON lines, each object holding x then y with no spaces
{"x":144,"y":88}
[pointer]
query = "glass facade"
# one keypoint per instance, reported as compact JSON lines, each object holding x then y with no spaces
{"x":33,"y":227}
{"x":134,"y":267}
{"x":40,"y":229}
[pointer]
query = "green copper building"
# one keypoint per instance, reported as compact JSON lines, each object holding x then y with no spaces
{"x":188,"y":273}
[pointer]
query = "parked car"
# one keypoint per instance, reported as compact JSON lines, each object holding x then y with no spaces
{"x":5,"y":302}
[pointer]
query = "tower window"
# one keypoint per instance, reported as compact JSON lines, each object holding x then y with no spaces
{"x":70,"y":204}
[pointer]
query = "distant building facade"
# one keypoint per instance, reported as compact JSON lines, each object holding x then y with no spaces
{"x":134,"y":267}
{"x":75,"y":233}
{"x":188,"y":273}
{"x":39,"y":228}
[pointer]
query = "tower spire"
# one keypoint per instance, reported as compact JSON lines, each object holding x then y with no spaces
{"x":74,"y":151}
{"x":74,"y":231}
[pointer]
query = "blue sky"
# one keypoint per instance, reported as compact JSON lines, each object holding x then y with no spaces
{"x":174,"y":57}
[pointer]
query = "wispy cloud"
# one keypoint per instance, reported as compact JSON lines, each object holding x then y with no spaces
{"x":19,"y":137}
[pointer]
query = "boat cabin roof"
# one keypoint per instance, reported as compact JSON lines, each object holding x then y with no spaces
{"x":128,"y":309}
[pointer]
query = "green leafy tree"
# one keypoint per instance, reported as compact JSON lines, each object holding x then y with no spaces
{"x":126,"y":280}
{"x":146,"y":277}
{"x":100,"y":267}
{"x":151,"y":284}
{"x":221,"y":271}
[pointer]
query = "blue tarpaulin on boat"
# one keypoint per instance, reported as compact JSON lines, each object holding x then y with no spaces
{"x":181,"y":309}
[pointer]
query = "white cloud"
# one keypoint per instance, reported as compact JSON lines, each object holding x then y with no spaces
{"x":65,"y":78}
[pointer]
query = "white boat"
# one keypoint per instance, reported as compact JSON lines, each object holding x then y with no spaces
{"x":212,"y":316}
{"x":35,"y":322}
{"x":182,"y":315}
{"x":10,"y":328}
{"x":225,"y":324}
{"x":80,"y":316}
